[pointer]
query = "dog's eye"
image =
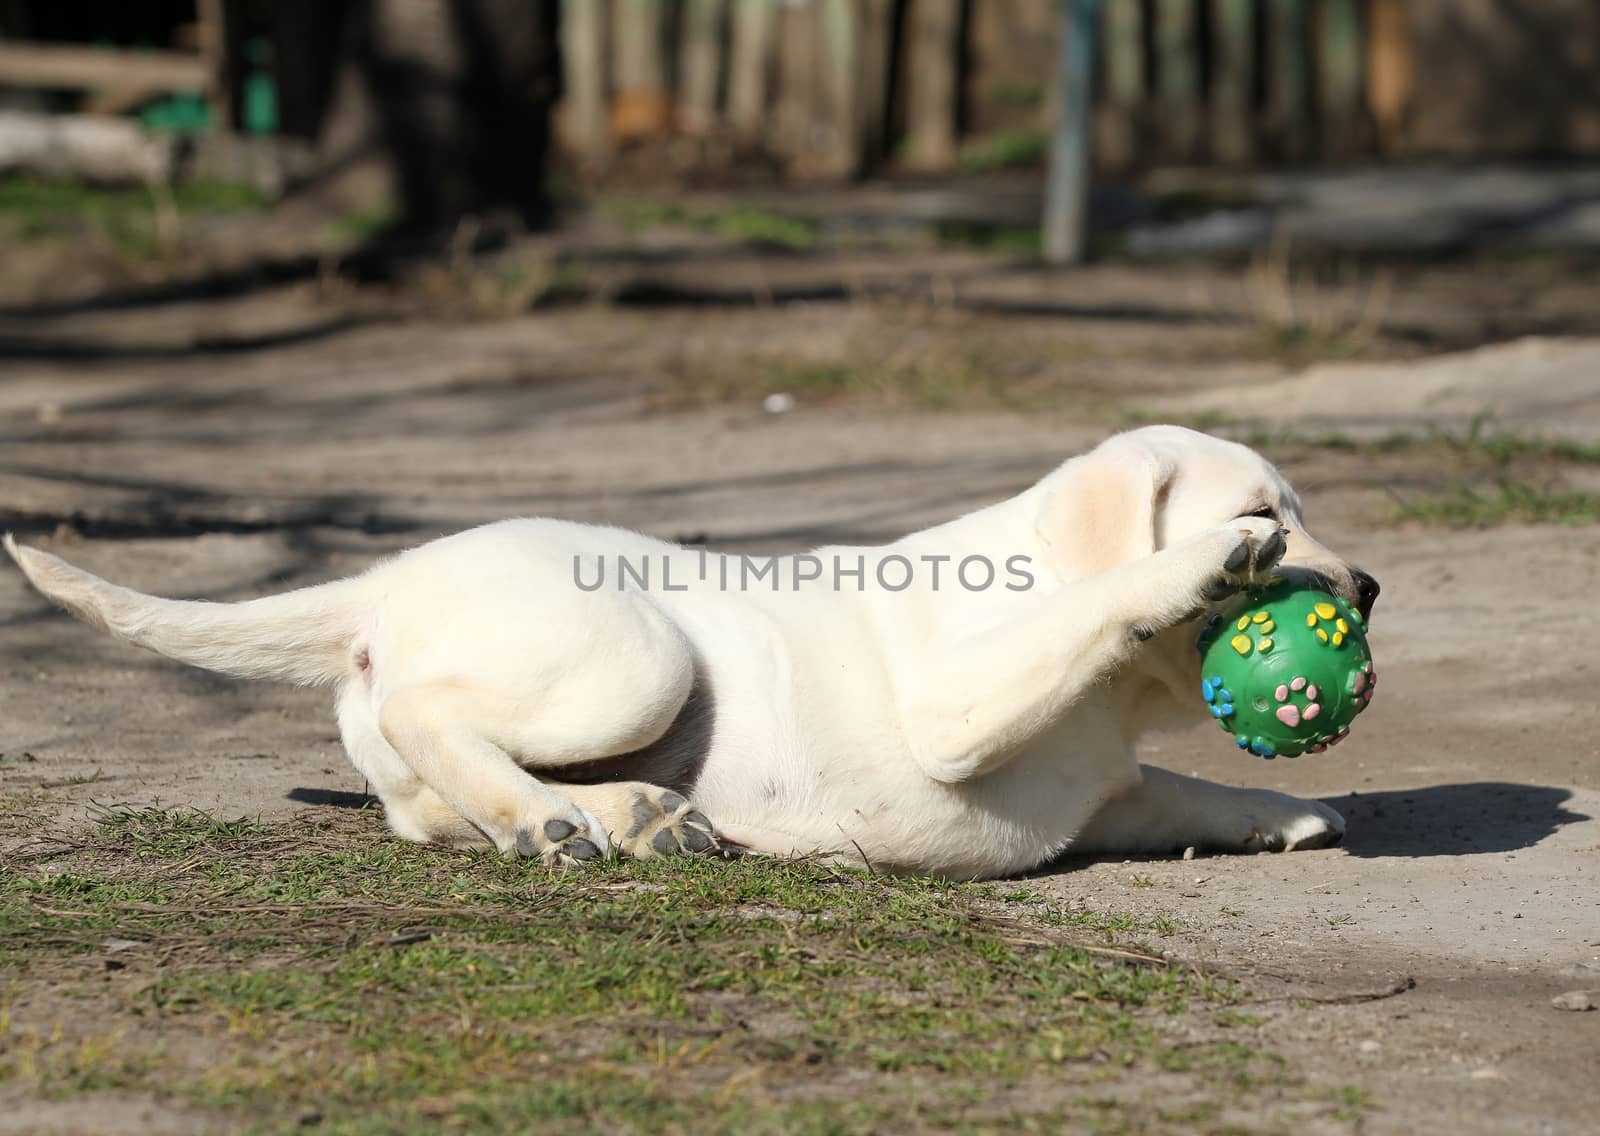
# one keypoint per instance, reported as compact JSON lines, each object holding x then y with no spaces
{"x":1266,"y":512}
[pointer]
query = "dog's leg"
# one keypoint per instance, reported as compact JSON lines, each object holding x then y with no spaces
{"x":1167,"y":812}
{"x":969,"y":706}
{"x":646,"y":820}
{"x":437,"y":732}
{"x":413,"y":811}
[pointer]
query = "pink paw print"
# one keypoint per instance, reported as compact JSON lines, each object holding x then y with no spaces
{"x":1288,"y":712}
{"x":1363,"y":684}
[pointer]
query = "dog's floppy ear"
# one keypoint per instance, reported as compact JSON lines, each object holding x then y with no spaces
{"x":1103,"y":509}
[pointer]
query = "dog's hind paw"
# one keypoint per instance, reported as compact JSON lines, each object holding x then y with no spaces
{"x":664,"y":823}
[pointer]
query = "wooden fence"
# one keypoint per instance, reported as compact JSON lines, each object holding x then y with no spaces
{"x":834,"y":88}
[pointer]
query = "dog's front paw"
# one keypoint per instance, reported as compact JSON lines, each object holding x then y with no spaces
{"x":1276,"y":822}
{"x":564,"y":843}
{"x":1249,"y":549}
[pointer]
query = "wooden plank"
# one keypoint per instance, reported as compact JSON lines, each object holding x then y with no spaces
{"x":585,"y":117}
{"x":1233,"y":81}
{"x":1178,"y":69}
{"x":1067,"y":191}
{"x":1289,"y":74}
{"x":748,"y":67}
{"x":1119,"y":128}
{"x":931,"y":75}
{"x":72,"y":68}
{"x":1339,"y":71}
{"x":700,"y":65}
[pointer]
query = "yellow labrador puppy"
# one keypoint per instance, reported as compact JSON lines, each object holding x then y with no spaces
{"x":964,"y":701}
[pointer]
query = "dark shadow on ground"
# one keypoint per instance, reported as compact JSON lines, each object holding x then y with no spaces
{"x":63,"y":350}
{"x":332,"y":798}
{"x":1452,"y":820}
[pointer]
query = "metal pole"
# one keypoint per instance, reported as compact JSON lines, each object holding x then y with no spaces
{"x":1067,"y":191}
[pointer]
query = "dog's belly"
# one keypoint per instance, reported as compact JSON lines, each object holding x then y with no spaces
{"x":787,"y":794}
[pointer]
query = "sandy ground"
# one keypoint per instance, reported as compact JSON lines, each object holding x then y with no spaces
{"x":226,"y":449}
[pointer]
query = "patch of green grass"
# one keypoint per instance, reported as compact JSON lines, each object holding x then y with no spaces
{"x":1005,"y":240}
{"x":927,"y":383}
{"x":136,"y":222}
{"x":1465,"y":506}
{"x":360,"y":225}
{"x":40,"y":197}
{"x":1003,"y":149}
{"x":316,"y":969}
{"x":747,"y":223}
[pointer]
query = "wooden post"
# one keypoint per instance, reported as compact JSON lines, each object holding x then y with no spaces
{"x":748,"y":66}
{"x":1339,"y":69}
{"x":1120,"y":132}
{"x":1179,"y":71}
{"x":222,"y":65}
{"x":872,"y":79}
{"x":1290,"y":77}
{"x":1067,"y":191}
{"x":699,"y":62}
{"x":797,"y":80}
{"x":1389,"y":71}
{"x":586,"y":119}
{"x":840,"y":84}
{"x":1233,"y":81}
{"x":640,"y":105}
{"x":932,"y":64}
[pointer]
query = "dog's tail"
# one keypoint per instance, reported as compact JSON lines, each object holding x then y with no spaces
{"x":302,"y":637}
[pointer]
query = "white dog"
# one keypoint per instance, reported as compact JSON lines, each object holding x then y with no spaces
{"x":962,"y":702}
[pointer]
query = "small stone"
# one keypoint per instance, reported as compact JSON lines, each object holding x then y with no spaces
{"x":1576,"y":1000}
{"x":1188,"y":853}
{"x":779,"y":403}
{"x":1370,"y":1046}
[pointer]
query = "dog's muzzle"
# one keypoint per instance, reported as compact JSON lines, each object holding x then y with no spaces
{"x":1367,"y":590}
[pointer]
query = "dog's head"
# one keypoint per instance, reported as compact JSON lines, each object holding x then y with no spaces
{"x":1153,"y":488}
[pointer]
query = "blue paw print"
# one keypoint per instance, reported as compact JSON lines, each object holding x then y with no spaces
{"x":1218,"y":696}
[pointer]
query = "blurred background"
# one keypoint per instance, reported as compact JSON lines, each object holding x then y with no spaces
{"x":853,"y":216}
{"x":286,"y":287}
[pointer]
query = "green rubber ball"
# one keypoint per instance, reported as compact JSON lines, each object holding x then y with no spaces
{"x":1286,"y":669}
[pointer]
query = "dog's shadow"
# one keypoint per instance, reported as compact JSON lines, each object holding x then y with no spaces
{"x":1452,"y":820}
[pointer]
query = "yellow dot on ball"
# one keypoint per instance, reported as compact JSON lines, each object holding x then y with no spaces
{"x":1260,"y":617}
{"x":1267,"y":628}
{"x":1264,"y":646}
{"x":1327,"y":610}
{"x":1322,"y":635}
{"x":1244,"y":621}
{"x":1241,"y":643}
{"x":1342,"y":626}
{"x":1338,"y":638}
{"x":1311,"y":619}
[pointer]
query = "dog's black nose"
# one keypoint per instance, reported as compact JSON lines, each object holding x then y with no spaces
{"x":1367,"y":590}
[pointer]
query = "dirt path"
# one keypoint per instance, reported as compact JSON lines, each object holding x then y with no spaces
{"x":1418,"y":961}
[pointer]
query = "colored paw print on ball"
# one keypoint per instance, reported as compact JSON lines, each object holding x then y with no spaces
{"x":1362,"y":685}
{"x":1218,"y":697}
{"x":1261,"y":624}
{"x":1289,"y":711}
{"x":1330,"y":627}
